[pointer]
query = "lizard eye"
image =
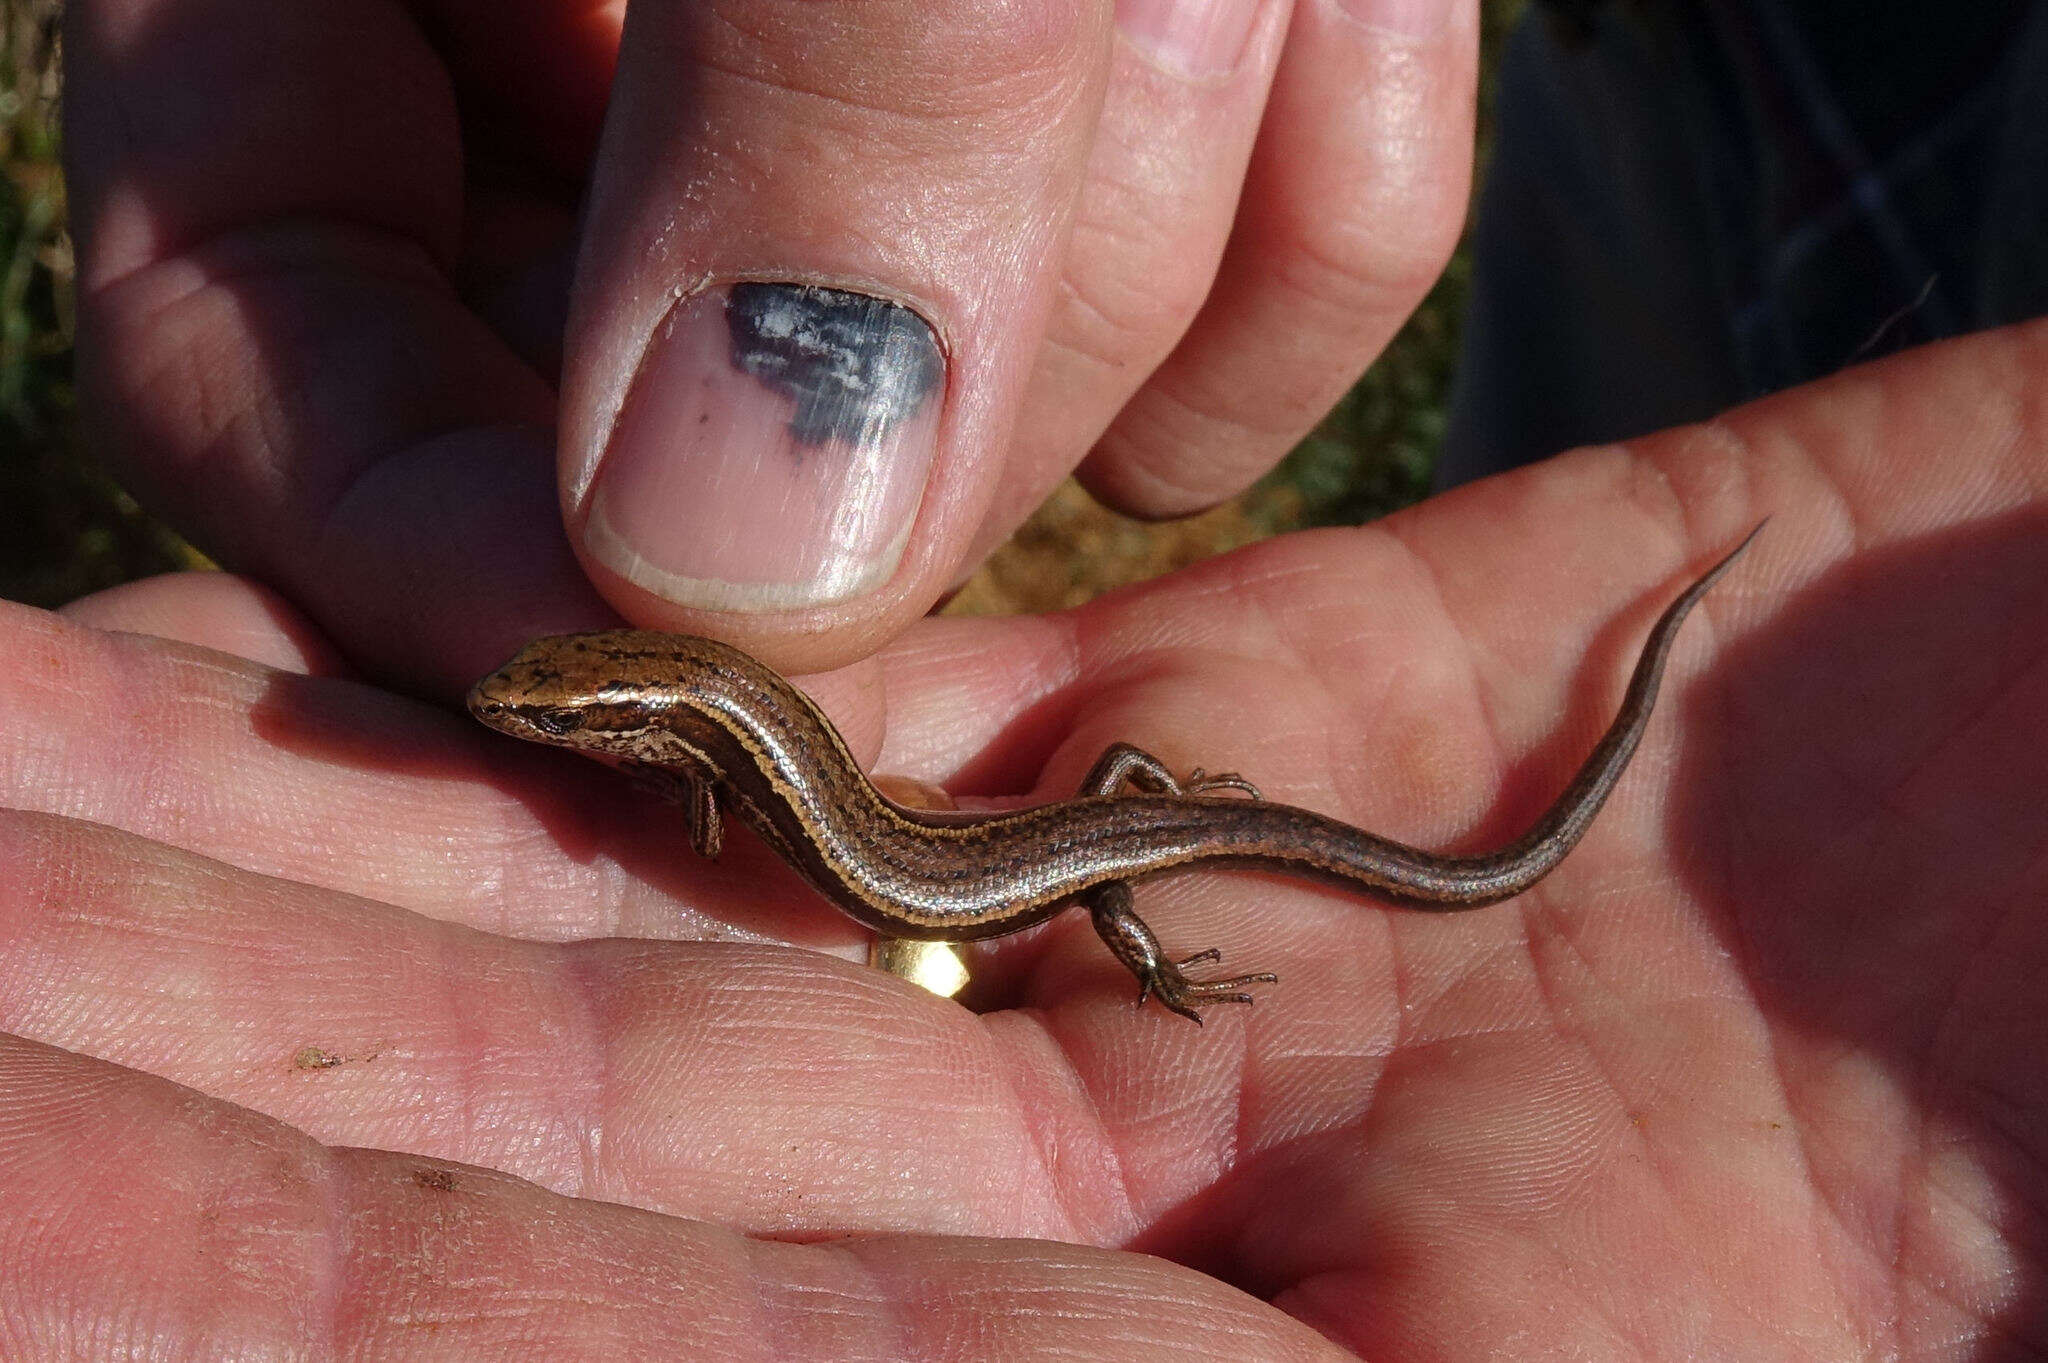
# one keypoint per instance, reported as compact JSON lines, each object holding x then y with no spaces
{"x":558,"y":722}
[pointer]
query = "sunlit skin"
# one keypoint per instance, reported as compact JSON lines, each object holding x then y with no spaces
{"x":1766,"y":1045}
{"x":720,"y":733}
{"x":339,"y":348}
{"x":333,"y":1026}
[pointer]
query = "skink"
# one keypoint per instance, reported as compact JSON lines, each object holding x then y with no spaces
{"x":715,"y":730}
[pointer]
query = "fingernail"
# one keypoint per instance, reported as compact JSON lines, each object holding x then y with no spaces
{"x":1189,"y":37}
{"x":773,"y":450}
{"x":1404,"y":18}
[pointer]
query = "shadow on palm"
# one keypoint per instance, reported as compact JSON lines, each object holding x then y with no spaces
{"x":1863,"y":801}
{"x":1798,"y":1075}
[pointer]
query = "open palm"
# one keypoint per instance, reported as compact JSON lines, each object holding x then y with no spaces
{"x":336,"y":1024}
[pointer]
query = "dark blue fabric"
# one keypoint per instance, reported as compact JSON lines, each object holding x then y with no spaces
{"x":1691,"y":205}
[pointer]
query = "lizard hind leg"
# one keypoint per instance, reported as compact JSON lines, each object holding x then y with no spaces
{"x":1123,"y":764}
{"x":1133,"y":943}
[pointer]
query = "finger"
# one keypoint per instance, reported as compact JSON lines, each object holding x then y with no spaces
{"x":1187,"y":89}
{"x":217,"y":611}
{"x":532,"y":78}
{"x":269,"y":339}
{"x":535,"y":73}
{"x":1354,"y":199}
{"x":821,"y":246}
{"x":1466,"y":1092}
{"x":773,"y":1090}
{"x":336,"y":784}
{"x":143,"y":1219}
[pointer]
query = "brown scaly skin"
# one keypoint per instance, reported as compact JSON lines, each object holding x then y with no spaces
{"x":712,"y":728}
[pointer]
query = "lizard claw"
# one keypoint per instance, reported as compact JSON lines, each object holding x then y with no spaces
{"x":1177,"y":993}
{"x":1200,"y":782}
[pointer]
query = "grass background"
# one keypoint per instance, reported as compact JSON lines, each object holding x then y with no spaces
{"x":66,"y":529}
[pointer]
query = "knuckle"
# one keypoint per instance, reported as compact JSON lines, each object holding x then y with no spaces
{"x":940,"y":59}
{"x":1164,"y":458}
{"x":1341,"y":271}
{"x":1120,"y":316}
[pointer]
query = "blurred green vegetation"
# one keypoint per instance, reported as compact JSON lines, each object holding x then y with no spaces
{"x":67,"y":529}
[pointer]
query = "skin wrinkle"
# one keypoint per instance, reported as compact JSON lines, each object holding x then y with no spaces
{"x":249,"y":253}
{"x":1784,"y":1092}
{"x":1927,"y":1079}
{"x":509,"y":846}
{"x":587,"y":1115}
{"x":464,"y":1052}
{"x":1805,"y":1142}
{"x":1743,"y":456}
{"x":1158,"y":306}
{"x":1746,"y":952}
{"x":1210,"y":610}
{"x":1407,"y":1018}
{"x":1023,"y":117}
{"x":1282,"y":580}
{"x":197,"y":660}
{"x":508,"y":829}
{"x":1459,"y":1036}
{"x":1670,"y":507}
{"x":886,"y":151}
{"x":1535,"y":909}
{"x":459,"y":1098}
{"x":1371,"y":1047}
{"x":1669,"y":1177}
{"x":1599,"y":1309}
{"x":1227,"y":1159}
{"x":248,"y":431}
{"x":1990,"y":1108}
{"x":1727,"y":450}
{"x":411,"y":432}
{"x":1936,"y":1284}
{"x":1083,"y":1101}
{"x":1110,"y":342}
{"x":328,"y":1267}
{"x":1155,"y":458}
{"x":244,"y":422}
{"x":1321,"y":282}
{"x":1058,"y":57}
{"x":1913,"y":1160}
{"x":1429,"y":577}
{"x":1890,"y":798}
{"x":1270,"y":591}
{"x":294,"y":248}
{"x":1252,"y":634}
{"x":219,"y":408}
{"x":1144,"y":451}
{"x":149,"y":932}
{"x":1345,"y":772}
{"x":778,"y":1316}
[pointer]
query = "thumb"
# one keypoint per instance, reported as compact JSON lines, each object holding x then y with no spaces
{"x":821,"y":245}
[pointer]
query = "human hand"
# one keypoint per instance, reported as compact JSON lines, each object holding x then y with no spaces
{"x":325,"y":259}
{"x":1754,"y":1074}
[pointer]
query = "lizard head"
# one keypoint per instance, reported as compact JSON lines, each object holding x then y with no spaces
{"x":624,"y":694}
